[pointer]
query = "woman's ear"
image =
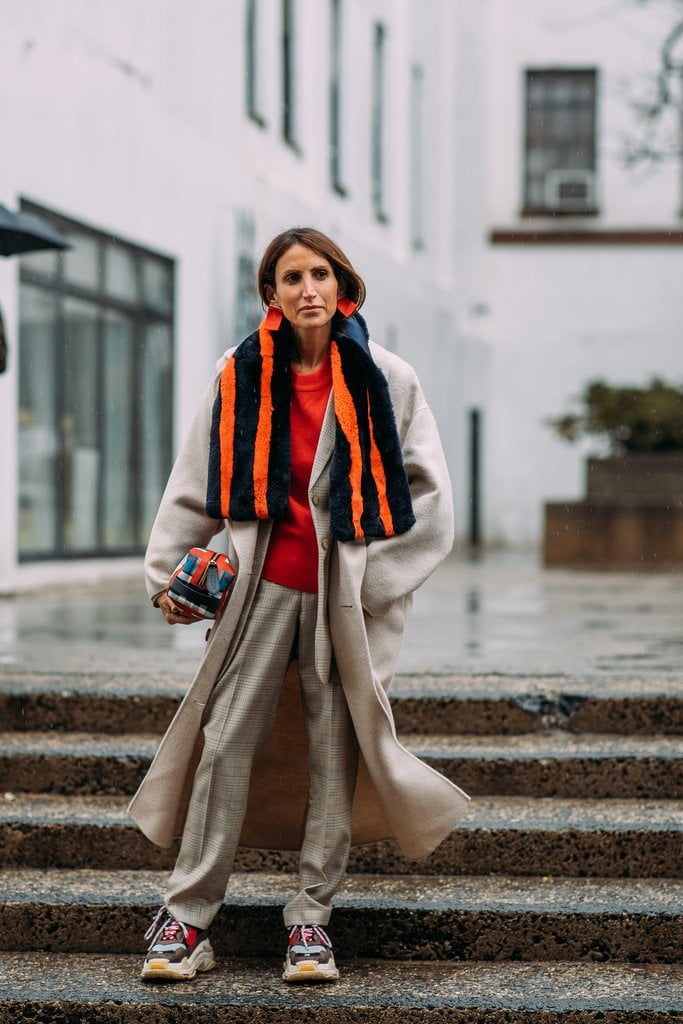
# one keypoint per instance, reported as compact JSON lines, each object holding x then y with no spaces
{"x":270,"y":296}
{"x":341,"y":285}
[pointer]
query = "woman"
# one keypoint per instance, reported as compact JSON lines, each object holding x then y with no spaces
{"x":317,"y":450}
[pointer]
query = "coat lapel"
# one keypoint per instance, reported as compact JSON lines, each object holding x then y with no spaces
{"x":325,"y":448}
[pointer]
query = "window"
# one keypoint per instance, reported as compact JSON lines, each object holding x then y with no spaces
{"x":560,"y":144}
{"x":335,"y":96}
{"x":95,"y":387}
{"x":288,"y":74}
{"x":416,"y":158}
{"x":378,"y":116}
{"x":248,"y":309}
{"x":252,"y":64}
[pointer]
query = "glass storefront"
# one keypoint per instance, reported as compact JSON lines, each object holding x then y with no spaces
{"x":95,"y":395}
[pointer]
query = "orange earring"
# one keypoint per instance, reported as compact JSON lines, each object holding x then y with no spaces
{"x":346,"y":306}
{"x":272,"y":319}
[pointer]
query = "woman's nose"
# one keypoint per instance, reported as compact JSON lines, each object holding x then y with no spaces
{"x":309,"y":286}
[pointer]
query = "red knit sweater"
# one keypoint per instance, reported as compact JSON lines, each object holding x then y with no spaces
{"x":292,"y":556}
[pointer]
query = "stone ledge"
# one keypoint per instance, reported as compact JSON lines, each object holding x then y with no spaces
{"x":514,"y":836}
{"x":107,"y":990}
{"x":422,"y":703}
{"x":591,"y":535}
{"x":555,"y":764}
{"x":396,"y":919}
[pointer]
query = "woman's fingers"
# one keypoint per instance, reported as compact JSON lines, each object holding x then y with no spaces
{"x":173,"y":614}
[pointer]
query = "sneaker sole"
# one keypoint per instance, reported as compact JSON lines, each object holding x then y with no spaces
{"x":159,"y":969}
{"x":309,"y":972}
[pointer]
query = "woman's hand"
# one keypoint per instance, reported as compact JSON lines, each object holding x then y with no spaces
{"x":173,"y":614}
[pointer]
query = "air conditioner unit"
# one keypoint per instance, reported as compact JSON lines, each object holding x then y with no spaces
{"x":570,"y":190}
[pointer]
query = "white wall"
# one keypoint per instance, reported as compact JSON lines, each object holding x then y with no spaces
{"x":621,"y":40}
{"x":564,"y":314}
{"x":103,"y":122}
{"x":113,"y":130}
{"x":131,"y":118}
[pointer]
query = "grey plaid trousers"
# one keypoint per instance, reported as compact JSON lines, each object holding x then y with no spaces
{"x":237,"y":722}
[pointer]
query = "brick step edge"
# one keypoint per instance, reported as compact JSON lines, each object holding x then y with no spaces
{"x":107,"y":989}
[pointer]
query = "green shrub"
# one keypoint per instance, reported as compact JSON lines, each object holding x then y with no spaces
{"x":648,"y":419}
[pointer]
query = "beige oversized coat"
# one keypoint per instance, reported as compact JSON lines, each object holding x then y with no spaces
{"x":365,"y":591}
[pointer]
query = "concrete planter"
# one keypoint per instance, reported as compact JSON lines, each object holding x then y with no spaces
{"x":631,"y":517}
{"x":642,"y":478}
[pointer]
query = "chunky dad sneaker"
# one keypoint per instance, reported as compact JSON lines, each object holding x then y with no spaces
{"x":309,"y":955}
{"x":177,"y":951}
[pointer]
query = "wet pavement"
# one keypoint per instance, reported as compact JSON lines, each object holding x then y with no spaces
{"x":504,"y":614}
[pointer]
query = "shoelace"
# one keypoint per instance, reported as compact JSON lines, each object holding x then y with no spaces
{"x":309,"y":934}
{"x":164,"y":927}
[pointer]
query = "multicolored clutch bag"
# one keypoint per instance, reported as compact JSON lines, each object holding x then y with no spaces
{"x":201,"y":583}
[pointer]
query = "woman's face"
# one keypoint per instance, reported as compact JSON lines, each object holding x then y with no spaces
{"x":306,"y":289}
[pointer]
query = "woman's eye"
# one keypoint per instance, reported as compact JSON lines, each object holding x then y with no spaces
{"x":321,"y":274}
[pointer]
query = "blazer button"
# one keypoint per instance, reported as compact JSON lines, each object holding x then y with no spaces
{"x":316,"y":499}
{"x":325,"y":543}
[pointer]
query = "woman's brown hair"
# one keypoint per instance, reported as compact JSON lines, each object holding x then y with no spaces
{"x":350,"y":282}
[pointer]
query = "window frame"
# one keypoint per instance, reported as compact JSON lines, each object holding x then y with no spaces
{"x":289,"y":83}
{"x":531,"y":208}
{"x":377,"y":121}
{"x":336,"y":79}
{"x":417,"y":163}
{"x":141,"y":316}
{"x":251,"y":64}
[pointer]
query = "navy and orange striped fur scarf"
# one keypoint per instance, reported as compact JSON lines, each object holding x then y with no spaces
{"x":249,"y":454}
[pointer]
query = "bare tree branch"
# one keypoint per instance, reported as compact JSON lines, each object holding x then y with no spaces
{"x":660,"y":137}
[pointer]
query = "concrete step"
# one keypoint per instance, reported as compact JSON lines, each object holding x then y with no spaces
{"x":456,"y":705}
{"x":106,"y":989}
{"x":554,"y":764}
{"x":558,"y":764}
{"x":74,"y":763}
{"x":418,"y":918}
{"x":508,"y":835}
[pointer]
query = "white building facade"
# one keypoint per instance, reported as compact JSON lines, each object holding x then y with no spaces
{"x":584,"y":255}
{"x":169,"y":142}
{"x":465,"y":154}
